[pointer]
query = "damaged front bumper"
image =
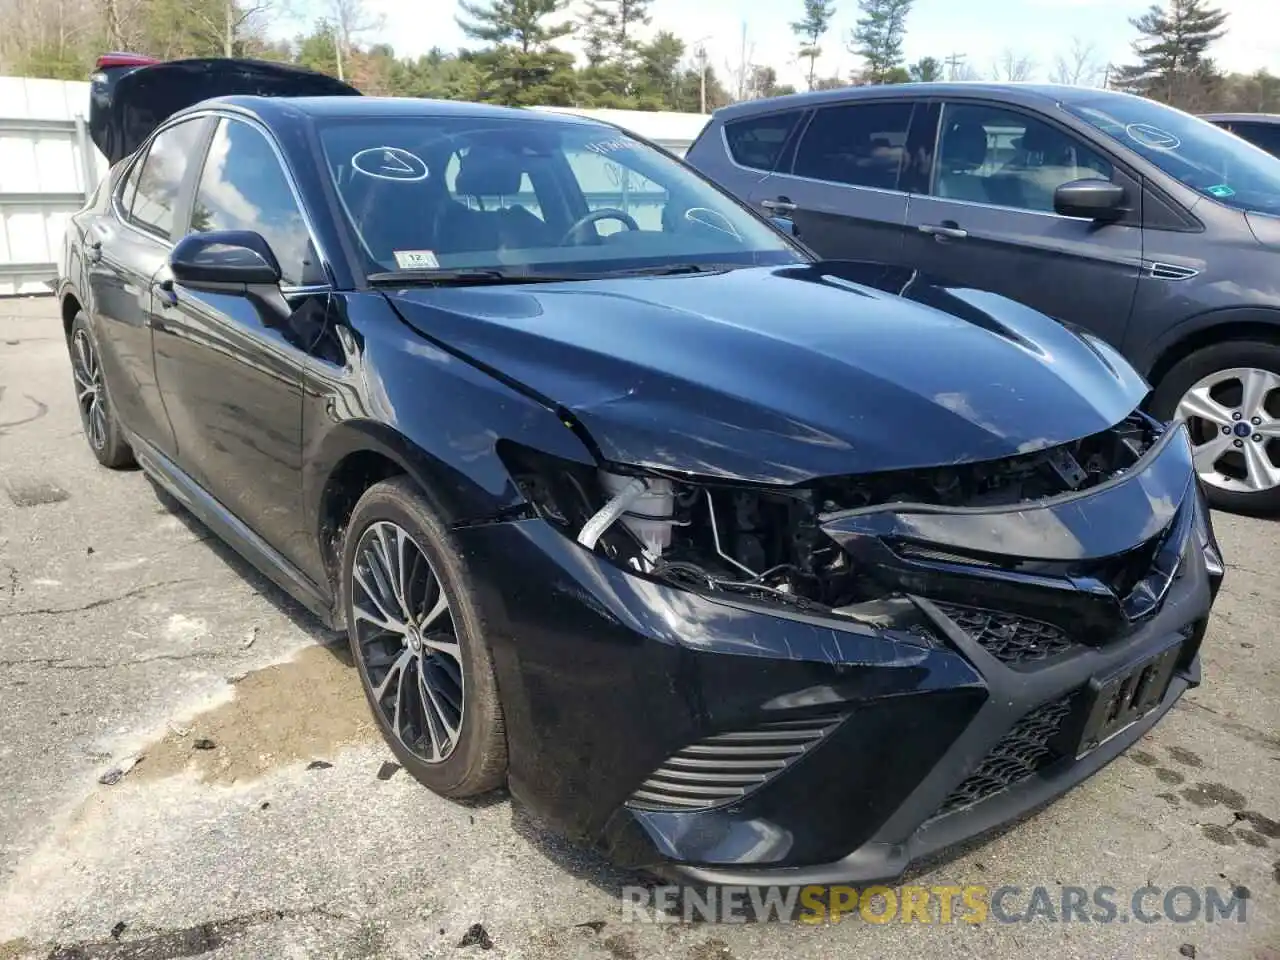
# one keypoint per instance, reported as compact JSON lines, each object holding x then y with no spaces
{"x":731,"y":742}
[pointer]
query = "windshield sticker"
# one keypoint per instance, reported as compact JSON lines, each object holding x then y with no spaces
{"x":1220,"y":190}
{"x":606,"y":147}
{"x":389,"y":163}
{"x":1152,"y":137}
{"x":416,"y":259}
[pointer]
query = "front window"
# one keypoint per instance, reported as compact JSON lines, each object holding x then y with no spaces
{"x":531,"y":196}
{"x":1193,"y":151}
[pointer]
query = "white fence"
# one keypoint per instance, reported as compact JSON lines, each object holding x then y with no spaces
{"x":48,"y":165}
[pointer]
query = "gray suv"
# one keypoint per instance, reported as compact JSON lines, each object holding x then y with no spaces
{"x":1154,"y":229}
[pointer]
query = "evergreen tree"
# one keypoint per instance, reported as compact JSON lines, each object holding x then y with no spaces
{"x":522,"y":67}
{"x":612,"y":50}
{"x":878,"y":36}
{"x":1171,"y":52}
{"x":810,"y":30}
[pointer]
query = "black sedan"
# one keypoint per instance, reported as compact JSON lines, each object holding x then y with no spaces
{"x":728,"y":560}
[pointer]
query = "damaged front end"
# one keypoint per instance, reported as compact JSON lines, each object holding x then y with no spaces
{"x":1027,"y":534}
{"x":943,"y":648}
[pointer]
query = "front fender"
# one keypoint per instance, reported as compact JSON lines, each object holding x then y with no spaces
{"x":437,"y":417}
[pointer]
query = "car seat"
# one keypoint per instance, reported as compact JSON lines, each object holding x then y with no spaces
{"x":964,"y":151}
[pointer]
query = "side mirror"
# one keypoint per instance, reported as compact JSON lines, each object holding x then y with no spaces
{"x":1093,"y":199}
{"x":223,"y":257}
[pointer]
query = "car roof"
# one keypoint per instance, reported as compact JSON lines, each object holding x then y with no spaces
{"x":1243,"y":117}
{"x":270,"y":109}
{"x":1026,"y":93}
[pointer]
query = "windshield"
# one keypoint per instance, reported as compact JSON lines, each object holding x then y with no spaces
{"x":531,"y":196}
{"x":1207,"y":159}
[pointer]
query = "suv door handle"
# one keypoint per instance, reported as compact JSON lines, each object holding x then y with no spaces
{"x":947,"y":230}
{"x":781,"y":205}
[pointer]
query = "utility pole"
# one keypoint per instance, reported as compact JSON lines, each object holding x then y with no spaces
{"x":954,"y":62}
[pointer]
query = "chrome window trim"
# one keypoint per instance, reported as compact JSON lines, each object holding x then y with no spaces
{"x":221,"y":113}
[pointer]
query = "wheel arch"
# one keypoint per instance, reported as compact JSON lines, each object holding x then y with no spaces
{"x":357,"y":454}
{"x":69,"y":305}
{"x":1206,"y":329}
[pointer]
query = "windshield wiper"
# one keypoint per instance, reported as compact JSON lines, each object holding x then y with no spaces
{"x":672,"y":269}
{"x":493,"y":276}
{"x":477,"y":276}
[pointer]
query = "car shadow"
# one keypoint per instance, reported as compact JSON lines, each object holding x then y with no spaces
{"x":302,"y":618}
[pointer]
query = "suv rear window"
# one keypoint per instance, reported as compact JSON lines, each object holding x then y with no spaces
{"x":757,"y":142}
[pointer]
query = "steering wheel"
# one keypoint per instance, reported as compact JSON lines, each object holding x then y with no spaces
{"x":575,"y":235}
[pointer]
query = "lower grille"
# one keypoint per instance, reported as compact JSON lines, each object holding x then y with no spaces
{"x":1020,"y":753}
{"x":728,"y":766}
{"x":1009,"y":638}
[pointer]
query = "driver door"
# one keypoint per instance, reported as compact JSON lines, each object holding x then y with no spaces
{"x":229,"y":366}
{"x":988,"y":221}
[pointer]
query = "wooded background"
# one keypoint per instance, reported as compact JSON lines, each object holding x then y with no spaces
{"x":517,"y":56}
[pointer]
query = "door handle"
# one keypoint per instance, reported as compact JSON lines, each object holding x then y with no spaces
{"x":781,"y":205}
{"x":947,"y":230}
{"x":165,"y":294}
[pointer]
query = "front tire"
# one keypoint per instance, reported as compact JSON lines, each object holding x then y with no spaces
{"x":418,"y":642}
{"x":1229,"y":394}
{"x":97,"y":418}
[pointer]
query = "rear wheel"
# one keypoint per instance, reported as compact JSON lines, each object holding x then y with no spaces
{"x":416,"y":636}
{"x":101,"y":429}
{"x":1229,"y":396}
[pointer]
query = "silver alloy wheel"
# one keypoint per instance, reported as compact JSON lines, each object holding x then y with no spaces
{"x":408,"y":642}
{"x":88,"y":373}
{"x":1236,"y":438}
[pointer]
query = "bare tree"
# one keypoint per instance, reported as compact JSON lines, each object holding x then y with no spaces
{"x":1011,"y":67}
{"x":350,"y":19}
{"x":230,"y":21}
{"x":740,"y":73}
{"x":1078,"y":65}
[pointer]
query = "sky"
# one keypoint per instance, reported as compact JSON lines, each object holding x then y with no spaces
{"x":979,"y":30}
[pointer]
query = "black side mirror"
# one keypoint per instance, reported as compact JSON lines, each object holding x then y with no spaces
{"x":224,"y":257}
{"x":1093,"y":199}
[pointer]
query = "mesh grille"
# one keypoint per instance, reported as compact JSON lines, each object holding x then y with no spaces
{"x":728,"y":766}
{"x":1010,"y":639}
{"x":1020,"y":753}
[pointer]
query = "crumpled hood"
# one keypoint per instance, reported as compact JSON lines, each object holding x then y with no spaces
{"x":780,"y":375}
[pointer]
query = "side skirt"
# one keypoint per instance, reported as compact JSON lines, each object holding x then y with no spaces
{"x":231,"y":529}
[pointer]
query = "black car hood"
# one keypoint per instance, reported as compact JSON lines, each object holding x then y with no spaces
{"x":126,"y":105}
{"x":780,"y":375}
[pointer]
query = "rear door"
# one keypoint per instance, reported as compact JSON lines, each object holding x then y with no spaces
{"x":229,"y":364}
{"x":740,"y":154}
{"x":124,"y":249}
{"x":986,"y":219}
{"x":842,"y":186}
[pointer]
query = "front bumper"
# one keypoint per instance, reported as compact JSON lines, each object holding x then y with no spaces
{"x":605,"y":677}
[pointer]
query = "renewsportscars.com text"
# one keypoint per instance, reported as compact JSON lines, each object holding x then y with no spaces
{"x":938,"y":904}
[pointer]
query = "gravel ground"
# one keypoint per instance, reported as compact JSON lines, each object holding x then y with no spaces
{"x":124,"y":628}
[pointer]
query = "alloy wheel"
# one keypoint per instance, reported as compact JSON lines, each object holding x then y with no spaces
{"x":1234,"y":419}
{"x":89,"y":394}
{"x":407,"y":640}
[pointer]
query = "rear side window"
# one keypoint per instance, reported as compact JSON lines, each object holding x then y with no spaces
{"x":243,"y":187}
{"x":161,"y":175}
{"x":860,"y":144}
{"x":1264,"y":135}
{"x":757,"y":142}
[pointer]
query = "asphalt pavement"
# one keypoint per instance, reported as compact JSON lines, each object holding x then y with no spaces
{"x":266,"y":820}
